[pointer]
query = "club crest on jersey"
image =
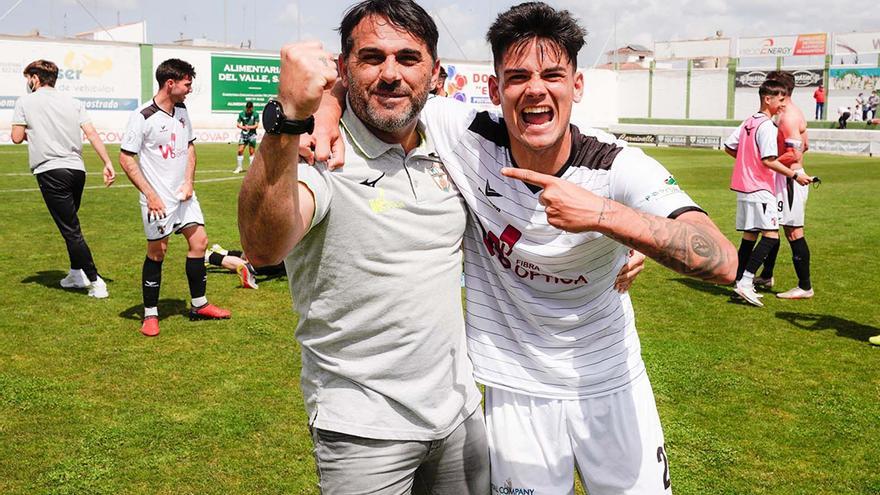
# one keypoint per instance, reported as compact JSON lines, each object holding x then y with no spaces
{"x":440,"y":178}
{"x":671,"y":181}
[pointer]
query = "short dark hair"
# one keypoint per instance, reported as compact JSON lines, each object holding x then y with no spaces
{"x":46,"y":72}
{"x":403,"y":14}
{"x":442,"y":74}
{"x":772,"y":87}
{"x":784,"y":77}
{"x":249,"y":104}
{"x":174,"y":69}
{"x":522,"y":23}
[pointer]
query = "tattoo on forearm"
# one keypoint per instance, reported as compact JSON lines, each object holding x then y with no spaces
{"x":683,"y":247}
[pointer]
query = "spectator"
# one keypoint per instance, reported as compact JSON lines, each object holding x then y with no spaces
{"x":819,"y":96}
{"x":873,"y":101}
{"x":844,"y":114}
{"x":856,"y":112}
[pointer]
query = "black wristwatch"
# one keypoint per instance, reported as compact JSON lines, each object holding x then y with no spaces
{"x":275,"y":122}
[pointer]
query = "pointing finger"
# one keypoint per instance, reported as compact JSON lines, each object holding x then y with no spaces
{"x":528,"y":176}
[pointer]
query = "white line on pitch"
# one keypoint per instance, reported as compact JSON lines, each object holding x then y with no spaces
{"x":22,"y":174}
{"x":125,"y":186}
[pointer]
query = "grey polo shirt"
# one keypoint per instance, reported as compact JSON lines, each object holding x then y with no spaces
{"x":53,"y":121}
{"x":376,"y":283}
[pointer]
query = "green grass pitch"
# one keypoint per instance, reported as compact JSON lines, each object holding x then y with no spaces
{"x":777,"y":400}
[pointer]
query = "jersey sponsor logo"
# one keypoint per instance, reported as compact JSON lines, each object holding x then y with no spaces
{"x":169,"y":149}
{"x":381,"y":205}
{"x":508,"y":489}
{"x":372,"y":183}
{"x":501,"y":247}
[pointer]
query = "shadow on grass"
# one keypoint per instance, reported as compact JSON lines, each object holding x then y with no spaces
{"x":707,"y":287}
{"x":844,"y":328}
{"x":167,"y":307}
{"x":52,"y":279}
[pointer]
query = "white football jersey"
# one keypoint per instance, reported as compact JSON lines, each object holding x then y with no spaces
{"x":161,"y":141}
{"x":542,"y":314}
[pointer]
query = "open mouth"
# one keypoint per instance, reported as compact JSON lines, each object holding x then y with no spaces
{"x":537,"y":115}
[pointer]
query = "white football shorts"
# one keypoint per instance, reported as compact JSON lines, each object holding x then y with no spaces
{"x":792,"y":198}
{"x":757,"y":211}
{"x":178,"y":215}
{"x":615,"y":441}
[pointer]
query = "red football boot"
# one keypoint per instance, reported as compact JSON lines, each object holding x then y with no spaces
{"x":209,"y":312}
{"x":150,"y":328}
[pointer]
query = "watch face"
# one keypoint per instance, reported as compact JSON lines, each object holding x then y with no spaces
{"x":270,"y":116}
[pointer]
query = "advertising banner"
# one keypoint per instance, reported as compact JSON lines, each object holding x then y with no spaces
{"x":237,"y":79}
{"x":470,"y":83}
{"x":98,"y":75}
{"x":803,"y":78}
{"x":690,"y":141}
{"x":637,"y":138}
{"x":854,"y":43}
{"x":783,"y":46}
{"x":855,"y":79}
{"x":666,"y":50}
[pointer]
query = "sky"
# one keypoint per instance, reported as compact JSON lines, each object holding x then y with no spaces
{"x":268,"y":24}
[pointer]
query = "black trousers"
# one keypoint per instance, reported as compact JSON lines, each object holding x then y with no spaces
{"x":62,"y":191}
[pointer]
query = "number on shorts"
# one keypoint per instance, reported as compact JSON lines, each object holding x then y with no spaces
{"x":661,"y":457}
{"x":779,"y":206}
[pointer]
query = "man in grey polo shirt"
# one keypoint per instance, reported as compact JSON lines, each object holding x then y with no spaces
{"x":52,"y":123}
{"x":373,"y":259}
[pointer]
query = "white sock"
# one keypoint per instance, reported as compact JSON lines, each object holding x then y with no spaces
{"x":238,"y":160}
{"x":748,"y":278}
{"x":154,"y":311}
{"x":198,"y":302}
{"x":251,"y":159}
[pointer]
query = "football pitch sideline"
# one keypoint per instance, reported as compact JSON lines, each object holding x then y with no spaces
{"x":783,"y":399}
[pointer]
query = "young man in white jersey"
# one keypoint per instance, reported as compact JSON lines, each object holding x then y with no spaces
{"x":791,"y":196}
{"x":160,"y":134}
{"x":551,"y":339}
{"x":754,"y":146}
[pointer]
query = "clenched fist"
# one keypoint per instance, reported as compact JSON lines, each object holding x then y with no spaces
{"x":306,"y":71}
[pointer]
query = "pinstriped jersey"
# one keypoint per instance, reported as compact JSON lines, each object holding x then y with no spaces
{"x":542,"y":315}
{"x":161,"y":141}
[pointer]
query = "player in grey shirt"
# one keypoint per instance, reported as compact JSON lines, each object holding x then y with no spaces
{"x":373,"y":256}
{"x":53,"y":123}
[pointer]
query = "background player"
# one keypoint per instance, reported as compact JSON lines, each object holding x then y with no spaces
{"x":159,"y":133}
{"x":53,"y":123}
{"x":792,"y":196}
{"x":248,"y":121}
{"x":754,"y":146}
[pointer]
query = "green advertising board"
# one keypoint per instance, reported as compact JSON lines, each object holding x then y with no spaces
{"x":236,"y":80}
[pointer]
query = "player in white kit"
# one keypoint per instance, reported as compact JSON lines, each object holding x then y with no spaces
{"x":160,"y":134}
{"x":553,"y":342}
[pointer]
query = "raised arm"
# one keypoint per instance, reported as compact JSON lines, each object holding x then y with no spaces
{"x":690,"y":244}
{"x":109,"y":172}
{"x":274,"y":209}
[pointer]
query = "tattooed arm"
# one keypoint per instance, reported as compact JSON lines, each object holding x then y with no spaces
{"x":690,"y":244}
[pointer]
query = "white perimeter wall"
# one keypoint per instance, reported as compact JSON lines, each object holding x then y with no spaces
{"x":632,"y":93}
{"x":708,"y":93}
{"x":670,"y":91}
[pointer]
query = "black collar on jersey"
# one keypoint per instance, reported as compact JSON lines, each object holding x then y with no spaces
{"x":586,"y":151}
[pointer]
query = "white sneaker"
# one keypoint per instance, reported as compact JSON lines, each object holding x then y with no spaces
{"x":98,"y":289}
{"x":796,"y":293}
{"x":765,"y":283}
{"x":75,"y":279}
{"x":217,"y":248}
{"x":237,"y":170}
{"x":747,"y":292}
